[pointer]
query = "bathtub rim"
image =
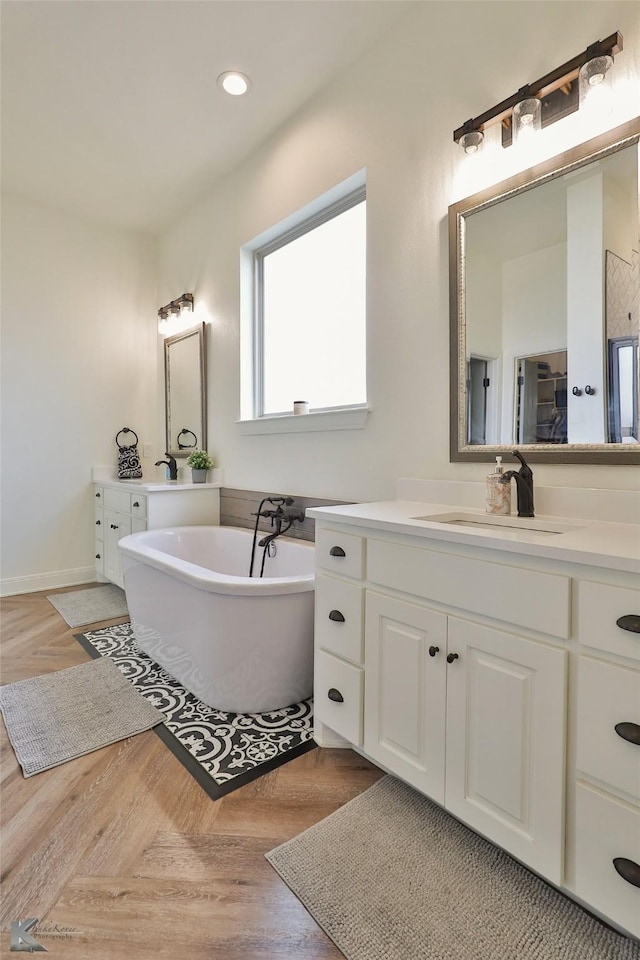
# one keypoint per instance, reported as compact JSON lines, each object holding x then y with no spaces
{"x":214,"y":581}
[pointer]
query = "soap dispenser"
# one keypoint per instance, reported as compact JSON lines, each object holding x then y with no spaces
{"x":498,"y":493}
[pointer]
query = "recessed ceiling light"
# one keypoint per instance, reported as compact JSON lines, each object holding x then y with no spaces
{"x":234,"y":83}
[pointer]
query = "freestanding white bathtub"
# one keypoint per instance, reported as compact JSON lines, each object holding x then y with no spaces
{"x":239,"y":644}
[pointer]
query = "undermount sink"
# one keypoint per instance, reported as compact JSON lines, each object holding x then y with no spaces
{"x":497,"y":523}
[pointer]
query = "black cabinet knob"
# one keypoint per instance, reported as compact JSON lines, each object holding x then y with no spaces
{"x":136,"y":504}
{"x":337,"y":552}
{"x":336,"y":616}
{"x":98,"y":557}
{"x":631,"y":622}
{"x":98,"y":495}
{"x":451,"y":657}
{"x":629,"y":870}
{"x":98,"y":523}
{"x":335,"y":695}
{"x":113,"y":526}
{"x":433,"y":650}
{"x":629,"y":731}
{"x":590,"y":391}
{"x":577,"y":392}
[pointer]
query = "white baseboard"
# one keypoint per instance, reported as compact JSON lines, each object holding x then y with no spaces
{"x":11,"y":586}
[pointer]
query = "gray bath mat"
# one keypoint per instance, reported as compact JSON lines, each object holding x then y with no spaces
{"x":80,"y":607}
{"x":391,"y":876}
{"x":59,"y":716}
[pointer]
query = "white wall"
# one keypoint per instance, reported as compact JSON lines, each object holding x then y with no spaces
{"x":393,"y":113}
{"x":78,"y":362}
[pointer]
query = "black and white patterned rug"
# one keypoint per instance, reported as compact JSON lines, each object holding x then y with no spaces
{"x":223,"y":751}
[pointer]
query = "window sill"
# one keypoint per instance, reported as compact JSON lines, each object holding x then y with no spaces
{"x":349,"y":418}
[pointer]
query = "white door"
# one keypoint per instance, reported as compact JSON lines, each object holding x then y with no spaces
{"x":505,"y":741}
{"x":116,"y":525}
{"x":405,"y":675}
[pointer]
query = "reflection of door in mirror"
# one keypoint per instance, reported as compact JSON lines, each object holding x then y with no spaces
{"x":541,"y":398}
{"x":482,"y":377}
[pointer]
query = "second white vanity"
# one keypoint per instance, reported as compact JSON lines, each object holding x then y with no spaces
{"x":130,"y":506}
{"x":497,"y":670}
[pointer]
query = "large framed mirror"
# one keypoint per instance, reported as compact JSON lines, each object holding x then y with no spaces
{"x":544,"y":309}
{"x":185,"y":391}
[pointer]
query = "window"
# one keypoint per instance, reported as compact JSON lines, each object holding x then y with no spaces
{"x":310,"y":312}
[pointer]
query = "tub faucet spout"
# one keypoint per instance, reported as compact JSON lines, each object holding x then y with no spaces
{"x":524,"y":485}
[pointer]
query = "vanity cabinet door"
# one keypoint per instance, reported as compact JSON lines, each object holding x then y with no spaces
{"x":116,"y":525}
{"x":506,"y":741}
{"x":405,"y":677}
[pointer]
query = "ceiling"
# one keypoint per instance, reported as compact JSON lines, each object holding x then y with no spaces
{"x":110,"y":108}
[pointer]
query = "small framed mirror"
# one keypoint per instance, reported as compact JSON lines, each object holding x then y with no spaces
{"x":185,"y":391}
{"x":544,"y":309}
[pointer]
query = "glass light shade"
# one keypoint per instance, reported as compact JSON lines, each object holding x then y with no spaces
{"x":527,"y":120}
{"x":591,"y":78}
{"x":470,"y":142}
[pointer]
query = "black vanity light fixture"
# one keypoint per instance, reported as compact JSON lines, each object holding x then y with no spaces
{"x":185,"y":302}
{"x":548,"y":99}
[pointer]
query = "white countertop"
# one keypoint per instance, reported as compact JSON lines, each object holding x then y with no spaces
{"x":596,"y":543}
{"x":152,"y":486}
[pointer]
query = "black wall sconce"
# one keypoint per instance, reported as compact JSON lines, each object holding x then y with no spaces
{"x":548,"y":99}
{"x":185,"y":302}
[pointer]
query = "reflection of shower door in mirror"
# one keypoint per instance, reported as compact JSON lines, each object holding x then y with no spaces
{"x":623,"y":389}
{"x":541,"y":398}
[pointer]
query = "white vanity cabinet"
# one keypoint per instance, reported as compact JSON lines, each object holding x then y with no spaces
{"x":496,"y":683}
{"x":121,"y":509}
{"x":605,"y":825}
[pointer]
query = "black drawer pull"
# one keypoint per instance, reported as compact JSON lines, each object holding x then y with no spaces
{"x":136,"y":504}
{"x":336,"y":616}
{"x":98,"y":523}
{"x":337,"y":552}
{"x":629,"y":870}
{"x":629,"y":622}
{"x":629,"y":731}
{"x":433,"y":651}
{"x":98,"y":495}
{"x":335,"y":695}
{"x":451,"y":657}
{"x":113,"y":526}
{"x":98,"y":557}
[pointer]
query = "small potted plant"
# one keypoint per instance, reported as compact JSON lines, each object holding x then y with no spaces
{"x":200,"y":462}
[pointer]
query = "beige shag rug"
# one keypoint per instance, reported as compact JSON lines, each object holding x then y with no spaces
{"x":59,"y":716}
{"x":79,"y":607}
{"x":391,"y":876}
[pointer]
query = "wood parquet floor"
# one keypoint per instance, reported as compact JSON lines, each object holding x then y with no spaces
{"x":121,"y":855}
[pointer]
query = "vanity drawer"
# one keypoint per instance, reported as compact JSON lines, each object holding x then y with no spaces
{"x":607,"y":829}
{"x":99,"y":523}
{"x":119,"y":500}
{"x":600,"y":605}
{"x":138,"y":505}
{"x":340,"y":552}
{"x":339,"y":608}
{"x":608,"y":695}
{"x":337,"y":696}
{"x":528,"y":598}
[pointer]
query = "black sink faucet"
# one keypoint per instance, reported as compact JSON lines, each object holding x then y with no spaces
{"x":171,"y":463}
{"x":524,"y":485}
